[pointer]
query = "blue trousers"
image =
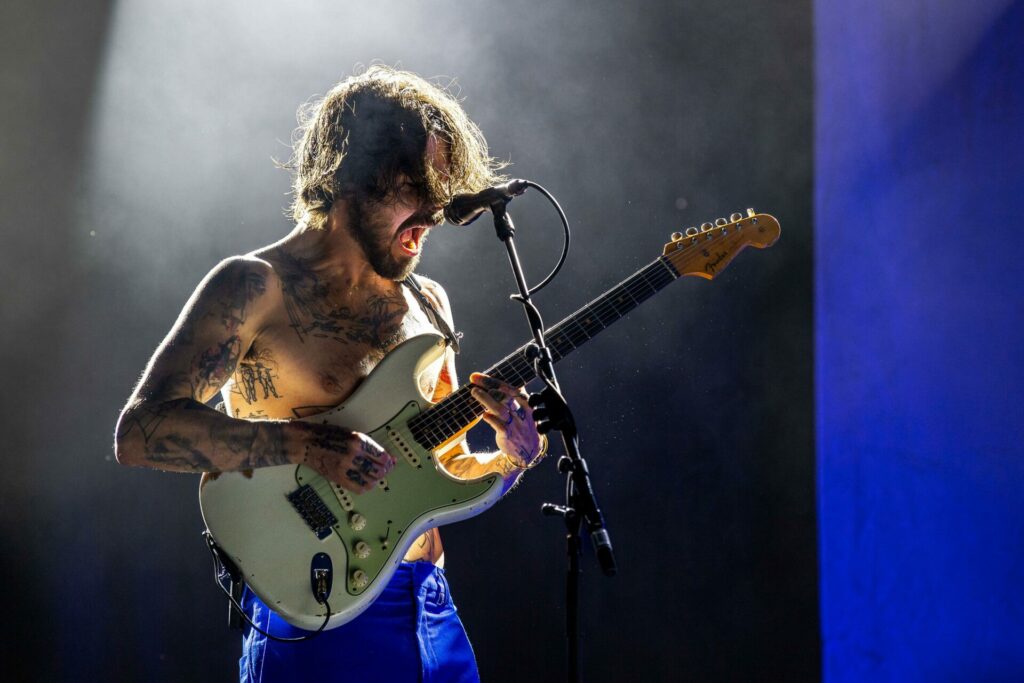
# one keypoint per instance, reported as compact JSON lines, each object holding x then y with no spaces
{"x":411,"y":633}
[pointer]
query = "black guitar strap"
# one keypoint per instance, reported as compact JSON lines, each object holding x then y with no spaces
{"x":436,"y":318}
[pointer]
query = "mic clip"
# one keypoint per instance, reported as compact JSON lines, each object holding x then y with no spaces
{"x":466,"y":208}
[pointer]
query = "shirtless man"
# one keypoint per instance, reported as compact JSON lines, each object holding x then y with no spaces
{"x":290,"y":330}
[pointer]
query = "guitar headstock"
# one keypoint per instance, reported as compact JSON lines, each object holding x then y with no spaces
{"x":707,"y":250}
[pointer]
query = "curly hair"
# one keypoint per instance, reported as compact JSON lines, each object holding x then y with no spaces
{"x":369,"y":134}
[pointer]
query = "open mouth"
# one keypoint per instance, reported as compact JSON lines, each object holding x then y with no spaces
{"x":411,"y":239}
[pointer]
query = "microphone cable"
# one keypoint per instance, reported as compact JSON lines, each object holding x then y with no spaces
{"x":565,"y":244}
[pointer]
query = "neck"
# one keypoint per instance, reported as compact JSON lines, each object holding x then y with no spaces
{"x":334,"y":252}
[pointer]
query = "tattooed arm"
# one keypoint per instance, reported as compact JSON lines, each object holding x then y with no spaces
{"x":518,"y":441}
{"x":166,"y":425}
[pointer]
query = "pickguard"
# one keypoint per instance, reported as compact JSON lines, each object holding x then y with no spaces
{"x":416,"y":495}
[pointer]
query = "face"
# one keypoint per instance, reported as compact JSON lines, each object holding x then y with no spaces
{"x":392,"y":233}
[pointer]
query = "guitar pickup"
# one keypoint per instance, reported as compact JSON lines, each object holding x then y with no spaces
{"x":403,"y":446}
{"x":313,"y":510}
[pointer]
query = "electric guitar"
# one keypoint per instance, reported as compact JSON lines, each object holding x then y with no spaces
{"x":294,"y":534}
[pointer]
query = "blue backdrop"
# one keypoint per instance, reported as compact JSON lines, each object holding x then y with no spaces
{"x":919,"y":169}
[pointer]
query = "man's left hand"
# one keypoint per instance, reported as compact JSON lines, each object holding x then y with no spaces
{"x":508,"y":412}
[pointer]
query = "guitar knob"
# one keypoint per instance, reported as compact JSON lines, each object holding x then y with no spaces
{"x":704,"y":227}
{"x":362,"y":550}
{"x":356,"y":521}
{"x":360,"y":579}
{"x":721,"y":221}
{"x":735,"y":217}
{"x":676,"y":236}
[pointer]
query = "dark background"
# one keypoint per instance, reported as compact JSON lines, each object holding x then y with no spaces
{"x":919,"y":166}
{"x":137,"y":147}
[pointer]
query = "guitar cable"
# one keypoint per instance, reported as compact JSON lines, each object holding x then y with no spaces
{"x":224,"y":568}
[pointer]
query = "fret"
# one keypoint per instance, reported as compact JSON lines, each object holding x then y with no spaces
{"x":561,"y":341}
{"x":644,"y":289}
{"x":442,"y":421}
{"x":576,"y":330}
{"x":667,"y":265}
{"x":577,"y":334}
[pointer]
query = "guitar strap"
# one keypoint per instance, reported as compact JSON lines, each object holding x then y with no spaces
{"x":436,"y":318}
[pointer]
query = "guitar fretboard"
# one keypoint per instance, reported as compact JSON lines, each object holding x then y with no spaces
{"x":448,"y":417}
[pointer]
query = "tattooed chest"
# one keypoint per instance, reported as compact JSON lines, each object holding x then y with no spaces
{"x":312,"y":363}
{"x":378,"y":325}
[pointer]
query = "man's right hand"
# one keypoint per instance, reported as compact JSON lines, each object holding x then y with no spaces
{"x":351,"y":460}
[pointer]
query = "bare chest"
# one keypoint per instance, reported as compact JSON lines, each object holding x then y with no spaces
{"x":317,"y":351}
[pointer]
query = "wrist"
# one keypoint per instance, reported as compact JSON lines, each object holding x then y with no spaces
{"x":508,"y":465}
{"x":295,"y":437}
{"x":521,"y":465}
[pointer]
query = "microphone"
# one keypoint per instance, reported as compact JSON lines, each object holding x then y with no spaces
{"x":466,"y":208}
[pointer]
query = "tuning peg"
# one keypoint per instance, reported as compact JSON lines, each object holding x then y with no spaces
{"x":692,"y":231}
{"x":704,"y":227}
{"x":676,"y":236}
{"x":750,"y":213}
{"x":735,"y":217}
{"x":721,"y":221}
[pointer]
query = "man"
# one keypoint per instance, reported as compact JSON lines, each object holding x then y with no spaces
{"x":289,"y":331}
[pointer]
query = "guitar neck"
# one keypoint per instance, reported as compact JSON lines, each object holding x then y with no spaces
{"x":458,"y":410}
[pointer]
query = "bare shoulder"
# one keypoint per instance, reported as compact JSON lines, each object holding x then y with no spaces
{"x":244,"y":267}
{"x":438,"y":296}
{"x":239,"y":282}
{"x":212,"y":333}
{"x":252,"y":266}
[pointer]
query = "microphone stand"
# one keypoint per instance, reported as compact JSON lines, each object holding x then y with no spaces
{"x":552,"y":413}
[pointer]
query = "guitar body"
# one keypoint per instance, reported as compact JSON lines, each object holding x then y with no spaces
{"x":282,"y":523}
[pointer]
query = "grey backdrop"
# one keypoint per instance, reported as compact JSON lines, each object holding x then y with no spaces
{"x":137,"y":140}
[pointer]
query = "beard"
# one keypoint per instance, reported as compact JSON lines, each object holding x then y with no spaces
{"x":376,"y":241}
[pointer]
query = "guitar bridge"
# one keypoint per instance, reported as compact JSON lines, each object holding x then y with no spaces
{"x":313,"y":511}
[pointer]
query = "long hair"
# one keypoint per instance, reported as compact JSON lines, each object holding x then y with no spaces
{"x":369,"y":134}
